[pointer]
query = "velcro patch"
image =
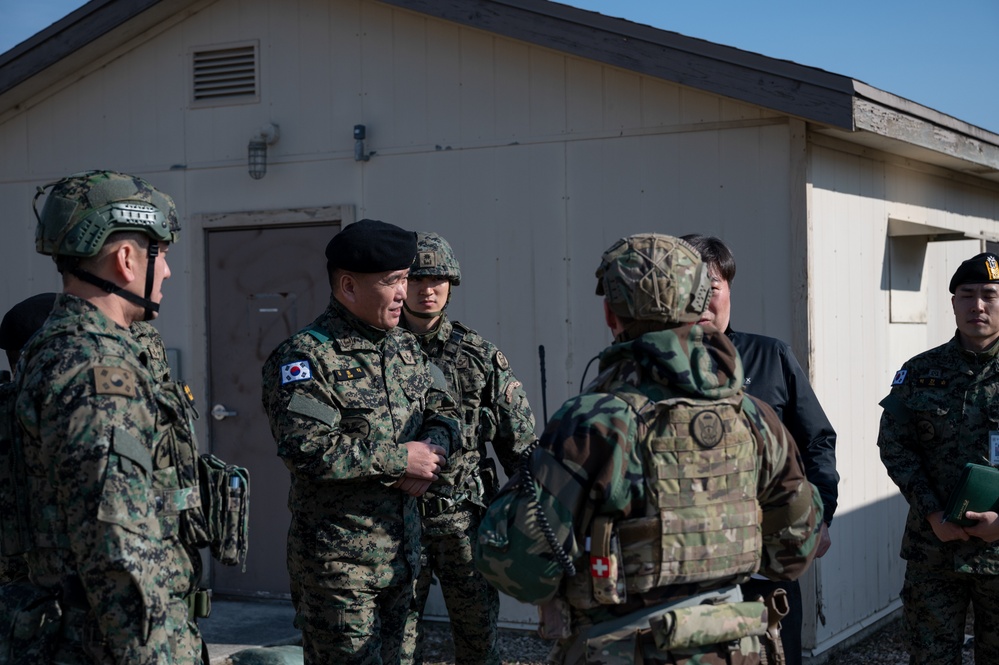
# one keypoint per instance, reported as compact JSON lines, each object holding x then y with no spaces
{"x":296,"y":371}
{"x":501,"y":361}
{"x":407,"y":357}
{"x":899,"y":377}
{"x":349,"y":374}
{"x":114,"y":381}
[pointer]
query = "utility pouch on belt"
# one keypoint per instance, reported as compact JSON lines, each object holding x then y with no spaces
{"x":15,"y":536}
{"x":30,"y":620}
{"x":702,"y":625}
{"x":225,"y":497}
{"x":554,"y":619}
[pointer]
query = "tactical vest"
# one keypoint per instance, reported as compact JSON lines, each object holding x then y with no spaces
{"x":702,"y":520}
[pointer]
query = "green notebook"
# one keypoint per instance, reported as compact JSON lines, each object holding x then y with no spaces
{"x":978,"y":491}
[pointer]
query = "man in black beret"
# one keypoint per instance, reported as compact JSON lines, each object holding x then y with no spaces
{"x":940,"y":415}
{"x":359,"y":420}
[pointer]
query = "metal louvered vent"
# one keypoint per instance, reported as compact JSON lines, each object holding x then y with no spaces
{"x":226,"y":75}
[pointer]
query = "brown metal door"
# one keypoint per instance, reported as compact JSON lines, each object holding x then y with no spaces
{"x":263,"y":285}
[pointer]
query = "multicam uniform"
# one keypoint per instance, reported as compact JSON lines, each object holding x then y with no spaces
{"x":494,"y":409}
{"x":106,"y":535}
{"x":651,"y":517}
{"x":942,"y":409}
{"x":342,"y":397}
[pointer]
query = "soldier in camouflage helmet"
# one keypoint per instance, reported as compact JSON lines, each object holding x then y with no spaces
{"x":494,"y":410}
{"x":940,"y":415}
{"x":105,"y":509}
{"x":634,"y":519}
{"x":360,"y":421}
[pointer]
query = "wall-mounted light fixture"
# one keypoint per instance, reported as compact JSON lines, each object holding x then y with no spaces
{"x":256,"y":152}
{"x":360,"y":133}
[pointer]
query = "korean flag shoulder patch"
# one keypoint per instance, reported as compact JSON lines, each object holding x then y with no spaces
{"x":296,"y":371}
{"x":899,"y":377}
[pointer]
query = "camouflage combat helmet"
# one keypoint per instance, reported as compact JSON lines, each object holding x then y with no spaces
{"x":83,"y":209}
{"x":435,"y":258}
{"x":654,"y":277}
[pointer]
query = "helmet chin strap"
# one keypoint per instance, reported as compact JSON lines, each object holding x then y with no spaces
{"x":149,"y":307}
{"x":423,"y":315}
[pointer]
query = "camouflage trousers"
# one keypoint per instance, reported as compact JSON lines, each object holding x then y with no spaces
{"x":472,"y":603}
{"x":357,"y":626}
{"x":935,"y":606}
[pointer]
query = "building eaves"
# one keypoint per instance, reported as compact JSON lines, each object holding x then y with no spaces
{"x":833,"y":104}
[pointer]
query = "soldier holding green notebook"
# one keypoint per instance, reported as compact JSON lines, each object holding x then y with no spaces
{"x":942,"y":413}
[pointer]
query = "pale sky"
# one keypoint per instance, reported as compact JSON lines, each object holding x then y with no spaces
{"x":940,"y":55}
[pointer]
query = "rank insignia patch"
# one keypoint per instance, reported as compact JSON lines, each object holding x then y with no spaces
{"x":349,"y":374}
{"x":296,"y":371}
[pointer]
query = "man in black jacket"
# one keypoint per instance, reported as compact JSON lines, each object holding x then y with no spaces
{"x":774,"y":376}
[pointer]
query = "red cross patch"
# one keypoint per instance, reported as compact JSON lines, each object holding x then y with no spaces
{"x":599,"y":566}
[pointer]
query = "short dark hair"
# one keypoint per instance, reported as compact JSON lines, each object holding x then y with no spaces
{"x":714,"y":252}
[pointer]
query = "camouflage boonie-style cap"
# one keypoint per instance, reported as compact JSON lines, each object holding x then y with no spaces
{"x":654,"y":277}
{"x":83,"y":209}
{"x":435,"y":258}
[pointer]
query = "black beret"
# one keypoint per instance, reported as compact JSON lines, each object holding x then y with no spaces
{"x":981,"y":269}
{"x":371,"y":246}
{"x":23,"y":320}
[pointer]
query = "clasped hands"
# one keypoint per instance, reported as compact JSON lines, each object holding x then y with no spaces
{"x":424,"y":461}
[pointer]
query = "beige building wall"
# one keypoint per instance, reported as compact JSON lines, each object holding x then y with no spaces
{"x":531,"y":163}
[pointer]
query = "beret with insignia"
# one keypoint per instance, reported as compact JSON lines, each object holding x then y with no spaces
{"x":369,"y":246}
{"x":980,"y":269}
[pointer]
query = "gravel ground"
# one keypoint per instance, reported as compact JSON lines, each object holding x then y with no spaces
{"x":885,"y":647}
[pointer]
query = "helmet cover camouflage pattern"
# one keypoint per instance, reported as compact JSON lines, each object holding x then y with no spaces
{"x":654,"y":277}
{"x":83,"y":209}
{"x":435,"y":258}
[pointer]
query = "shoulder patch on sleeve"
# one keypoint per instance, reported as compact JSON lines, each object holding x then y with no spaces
{"x":899,"y":377}
{"x":437,"y":374}
{"x":312,"y":408}
{"x":130,"y":448}
{"x":501,"y":361}
{"x":300,"y":370}
{"x":114,"y":381}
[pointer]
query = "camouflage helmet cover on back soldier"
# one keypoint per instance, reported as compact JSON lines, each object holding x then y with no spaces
{"x":83,"y":209}
{"x":654,"y":277}
{"x":435,"y":258}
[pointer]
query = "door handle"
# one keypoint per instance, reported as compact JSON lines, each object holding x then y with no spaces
{"x":219,"y":412}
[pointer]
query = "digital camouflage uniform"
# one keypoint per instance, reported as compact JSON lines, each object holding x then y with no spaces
{"x":90,"y":410}
{"x":494,"y":409}
{"x":641,"y":506}
{"x":151,"y":342}
{"x":938,"y":416}
{"x":341,"y":397}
